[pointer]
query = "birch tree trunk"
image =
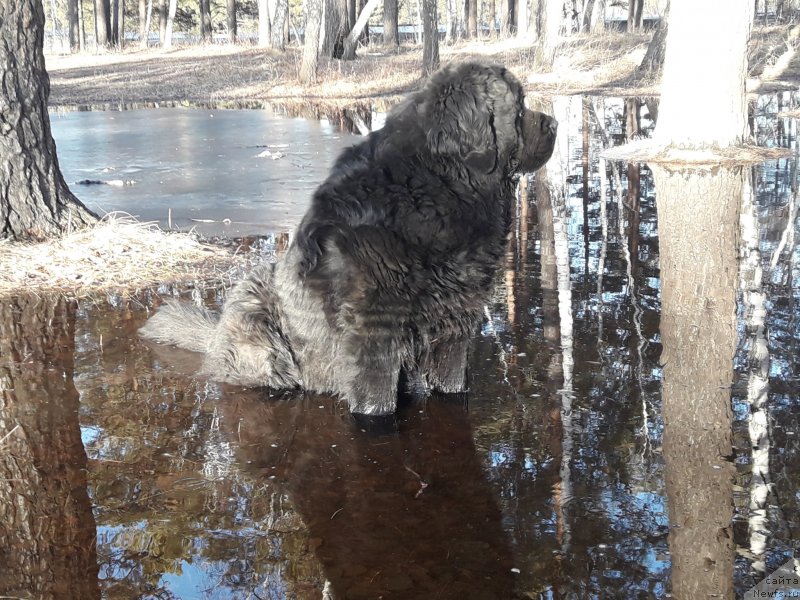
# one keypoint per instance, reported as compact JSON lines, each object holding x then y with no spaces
{"x":713,"y":68}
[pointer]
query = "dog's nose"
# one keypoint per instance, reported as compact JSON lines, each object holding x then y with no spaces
{"x":549,"y":125}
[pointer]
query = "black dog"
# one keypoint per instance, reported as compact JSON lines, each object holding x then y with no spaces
{"x":392,"y":264}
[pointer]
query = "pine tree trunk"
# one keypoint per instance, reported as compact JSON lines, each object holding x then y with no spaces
{"x":35,"y":201}
{"x":102,"y":28}
{"x":205,"y":21}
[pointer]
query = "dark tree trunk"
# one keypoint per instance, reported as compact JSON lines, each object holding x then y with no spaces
{"x":118,"y":23}
{"x":47,"y":531}
{"x":336,"y":28}
{"x":430,"y":32}
{"x":74,"y":27}
{"x":35,"y":201}
{"x":653,"y":60}
{"x":205,"y":20}
{"x":390,"y":23}
{"x":231,"y":21}
{"x":102,"y":27}
{"x":81,"y":30}
{"x":352,"y":39}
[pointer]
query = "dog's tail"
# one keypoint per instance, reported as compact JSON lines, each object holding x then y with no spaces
{"x":181,"y":324}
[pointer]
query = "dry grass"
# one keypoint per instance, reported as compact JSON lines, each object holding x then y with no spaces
{"x":118,"y":255}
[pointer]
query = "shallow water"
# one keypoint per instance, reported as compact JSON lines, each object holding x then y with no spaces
{"x":587,"y":463}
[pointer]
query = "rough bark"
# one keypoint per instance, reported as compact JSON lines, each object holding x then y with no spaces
{"x":335,"y":28}
{"x":313,"y":23}
{"x":698,"y":332}
{"x":551,"y":19}
{"x":35,"y":201}
{"x":279,"y":24}
{"x":162,"y":20}
{"x":47,"y":530}
{"x":700,"y":66}
{"x":653,"y":60}
{"x":390,"y":23}
{"x":635,"y":15}
{"x":430,"y":32}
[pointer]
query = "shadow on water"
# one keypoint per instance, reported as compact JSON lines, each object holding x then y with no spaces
{"x":632,"y":428}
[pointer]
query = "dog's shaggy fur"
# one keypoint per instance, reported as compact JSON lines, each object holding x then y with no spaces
{"x":391,"y":266}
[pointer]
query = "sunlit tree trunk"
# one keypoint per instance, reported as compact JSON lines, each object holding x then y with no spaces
{"x":279,"y":23}
{"x":313,"y":24}
{"x":551,"y":19}
{"x":264,"y":24}
{"x":231,"y":14}
{"x":698,"y":332}
{"x":35,"y":201}
{"x":430,"y":32}
{"x":711,"y":68}
{"x":47,"y":530}
{"x":173,"y":8}
{"x":145,"y":31}
{"x":81,"y":29}
{"x":523,"y":20}
{"x":390,"y":23}
{"x":653,"y":60}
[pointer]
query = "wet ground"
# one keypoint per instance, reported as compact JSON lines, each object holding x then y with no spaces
{"x":621,"y":439}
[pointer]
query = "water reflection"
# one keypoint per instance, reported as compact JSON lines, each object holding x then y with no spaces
{"x":581,"y":467}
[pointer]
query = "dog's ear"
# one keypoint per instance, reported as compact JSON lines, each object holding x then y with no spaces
{"x":460,"y":116}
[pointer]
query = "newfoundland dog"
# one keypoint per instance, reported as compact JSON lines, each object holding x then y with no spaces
{"x":390,"y":268}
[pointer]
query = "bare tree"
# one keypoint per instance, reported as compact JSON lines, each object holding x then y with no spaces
{"x":714,"y":69}
{"x":430,"y":31}
{"x":390,"y":23}
{"x":279,"y":23}
{"x":231,"y":4}
{"x":313,"y":18}
{"x":35,"y":201}
{"x":352,"y":38}
{"x":162,"y":20}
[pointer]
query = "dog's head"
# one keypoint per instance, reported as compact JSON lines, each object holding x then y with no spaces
{"x":476,"y":113}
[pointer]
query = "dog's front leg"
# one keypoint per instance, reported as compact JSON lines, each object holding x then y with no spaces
{"x":445,"y":365}
{"x":371,"y":381}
